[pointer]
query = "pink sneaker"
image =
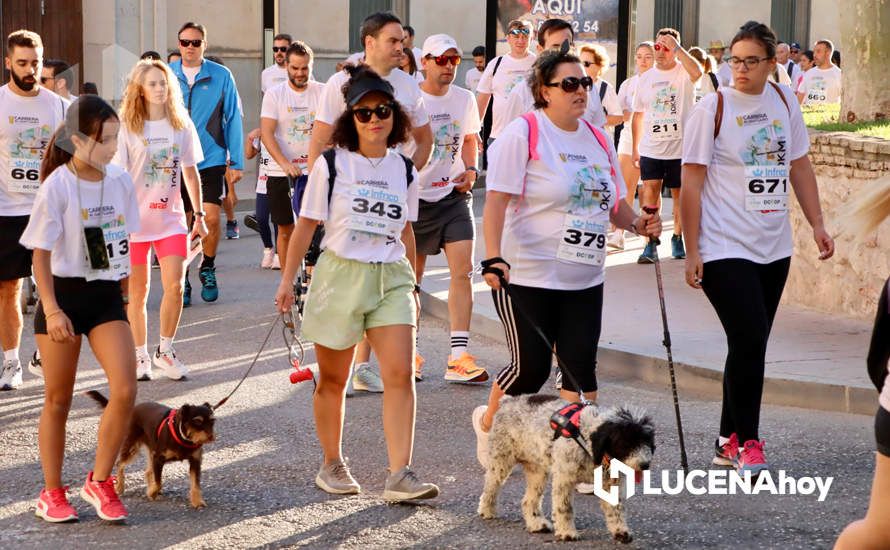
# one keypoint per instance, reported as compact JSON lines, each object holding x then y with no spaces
{"x":103,"y":497}
{"x":728,"y":453}
{"x":751,"y":458}
{"x":53,"y":506}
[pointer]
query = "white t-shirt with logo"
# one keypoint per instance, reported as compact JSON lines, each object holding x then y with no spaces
{"x":626,"y":99}
{"x":557,"y":219}
{"x":610,"y":102}
{"x":58,"y":219}
{"x":744,"y":203}
{"x":472,"y":78}
{"x":453,"y":116}
{"x":272,"y":76}
{"x":295,"y":114}
{"x":521,"y":101}
{"x":370,"y":205}
{"x":511,"y":72}
{"x":821,"y":86}
{"x":26,"y":126}
{"x":665,"y":98}
{"x":407,"y":93}
{"x":724,"y":74}
{"x":154,"y":159}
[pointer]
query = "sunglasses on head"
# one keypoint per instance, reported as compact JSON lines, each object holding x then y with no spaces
{"x":280,"y":49}
{"x":442,"y":60}
{"x":193,"y":43}
{"x":517,"y":32}
{"x":571,"y":84}
{"x":363,"y":114}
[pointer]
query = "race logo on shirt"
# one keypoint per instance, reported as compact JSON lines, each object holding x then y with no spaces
{"x":300,"y":128}
{"x":747,"y":120}
{"x":665,"y":99}
{"x":590,"y":191}
{"x":570,"y":157}
{"x":29,"y":144}
{"x":765,"y":155}
{"x":517,"y":78}
{"x":447,"y":141}
{"x":162,"y":166}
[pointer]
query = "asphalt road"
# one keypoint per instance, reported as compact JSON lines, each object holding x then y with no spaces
{"x":258,"y":475}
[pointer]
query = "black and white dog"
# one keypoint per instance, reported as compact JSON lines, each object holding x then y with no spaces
{"x":522,"y":433}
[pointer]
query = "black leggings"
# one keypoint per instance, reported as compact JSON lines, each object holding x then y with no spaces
{"x":571,"y":321}
{"x":746,"y":296}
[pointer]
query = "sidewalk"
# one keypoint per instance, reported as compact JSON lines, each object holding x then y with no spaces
{"x":814,"y":360}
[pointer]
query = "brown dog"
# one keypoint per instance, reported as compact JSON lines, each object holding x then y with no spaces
{"x":169,"y":435}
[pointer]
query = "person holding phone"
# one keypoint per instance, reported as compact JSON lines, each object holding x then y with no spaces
{"x":159,"y":147}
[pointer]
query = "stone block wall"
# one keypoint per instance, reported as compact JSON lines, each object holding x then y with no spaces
{"x":849,"y":283}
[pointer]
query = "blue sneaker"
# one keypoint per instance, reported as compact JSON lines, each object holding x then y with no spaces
{"x":751,"y":458}
{"x":678,"y":251}
{"x":648,"y":255}
{"x":232,"y":229}
{"x":209,"y":291}
{"x":187,"y":294}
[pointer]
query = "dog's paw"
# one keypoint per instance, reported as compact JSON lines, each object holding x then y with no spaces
{"x":487,"y":513}
{"x":152,"y":492}
{"x":624,"y":537}
{"x":539,"y":525}
{"x":199,"y":503}
{"x":568,"y":535}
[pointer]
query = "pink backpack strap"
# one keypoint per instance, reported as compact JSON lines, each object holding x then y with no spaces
{"x":602,"y":140}
{"x":532,"y":135}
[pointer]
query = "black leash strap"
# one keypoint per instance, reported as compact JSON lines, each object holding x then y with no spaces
{"x":252,"y":363}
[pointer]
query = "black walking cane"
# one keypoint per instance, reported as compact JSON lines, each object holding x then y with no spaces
{"x":667,"y":342}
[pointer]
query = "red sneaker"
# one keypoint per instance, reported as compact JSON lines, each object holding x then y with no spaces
{"x":751,"y":458}
{"x":728,"y":453}
{"x":103,"y":497}
{"x":53,"y":506}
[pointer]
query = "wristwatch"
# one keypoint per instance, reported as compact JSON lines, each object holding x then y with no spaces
{"x":474,"y":169}
{"x":199,"y":214}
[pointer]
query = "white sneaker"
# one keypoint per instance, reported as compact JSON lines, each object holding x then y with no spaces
{"x":276,"y":263}
{"x":169,"y":364}
{"x":585,"y":488}
{"x":268,"y":254}
{"x":11,"y":375}
{"x":35,"y":367}
{"x":481,"y":436}
{"x":616,"y":240}
{"x":367,"y":379}
{"x":143,"y":367}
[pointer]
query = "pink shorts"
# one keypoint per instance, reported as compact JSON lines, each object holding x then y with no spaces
{"x":174,"y":245}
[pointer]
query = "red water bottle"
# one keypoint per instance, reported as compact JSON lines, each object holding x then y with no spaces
{"x":300,"y":374}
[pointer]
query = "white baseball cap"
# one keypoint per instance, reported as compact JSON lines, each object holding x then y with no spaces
{"x":438,"y":44}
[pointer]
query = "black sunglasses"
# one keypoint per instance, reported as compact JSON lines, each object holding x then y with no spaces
{"x":571,"y":84}
{"x":43,"y":79}
{"x":281,"y":49}
{"x":363,"y":114}
{"x":193,"y":43}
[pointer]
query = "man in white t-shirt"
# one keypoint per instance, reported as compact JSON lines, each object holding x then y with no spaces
{"x":503,"y":73}
{"x":663,"y":101}
{"x":783,"y":58}
{"x":408,"y":42}
{"x":474,"y":75}
{"x":29,"y":114}
{"x":821,"y":85}
{"x":381,"y":35}
{"x":551,"y":35}
{"x":445,"y":220}
{"x":276,"y":73}
{"x":286,"y":121}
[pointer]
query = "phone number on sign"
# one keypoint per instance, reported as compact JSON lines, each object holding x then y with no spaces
{"x":578,"y":26}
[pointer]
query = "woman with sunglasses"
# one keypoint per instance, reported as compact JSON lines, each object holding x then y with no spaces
{"x":745,"y":149}
{"x":364,"y":282}
{"x":553,"y":187}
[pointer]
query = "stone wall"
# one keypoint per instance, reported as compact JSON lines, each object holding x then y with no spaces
{"x":850,"y":282}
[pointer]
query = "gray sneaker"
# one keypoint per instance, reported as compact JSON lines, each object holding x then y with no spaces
{"x":366,"y":378}
{"x":335,"y":479}
{"x":11,"y":375}
{"x":404,"y":485}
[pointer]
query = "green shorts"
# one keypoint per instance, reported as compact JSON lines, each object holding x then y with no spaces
{"x":347,"y":297}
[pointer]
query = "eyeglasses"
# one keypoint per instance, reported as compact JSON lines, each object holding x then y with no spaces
{"x":442,"y":60}
{"x":589,"y":63}
{"x":795,"y":51}
{"x":280,"y":49}
{"x":363,"y":114}
{"x":43,"y":79}
{"x":750,"y":62}
{"x":193,"y":43}
{"x":522,"y":31}
{"x":571,"y":84}
{"x":659,"y":47}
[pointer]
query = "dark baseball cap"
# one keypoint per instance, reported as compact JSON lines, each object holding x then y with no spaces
{"x":363,"y":86}
{"x":794,"y":46}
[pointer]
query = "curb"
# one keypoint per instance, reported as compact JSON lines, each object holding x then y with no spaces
{"x":627,"y":364}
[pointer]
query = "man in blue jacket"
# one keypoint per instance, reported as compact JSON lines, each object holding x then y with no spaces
{"x":211,"y":97}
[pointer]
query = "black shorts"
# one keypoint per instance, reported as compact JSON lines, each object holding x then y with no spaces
{"x":668,"y":171}
{"x":87,"y":304}
{"x":447,"y":221}
{"x":882,"y":431}
{"x":15,"y":259}
{"x":278,"y":191}
{"x":213,"y":187}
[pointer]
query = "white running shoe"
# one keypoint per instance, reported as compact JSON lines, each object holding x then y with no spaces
{"x":268,"y":254}
{"x":11,"y":375}
{"x":616,"y":239}
{"x":481,"y":436}
{"x":35,"y":367}
{"x":169,"y":364}
{"x":143,"y":367}
{"x":276,"y":263}
{"x":366,"y":378}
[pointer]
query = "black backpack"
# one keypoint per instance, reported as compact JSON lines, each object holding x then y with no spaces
{"x":331,"y":154}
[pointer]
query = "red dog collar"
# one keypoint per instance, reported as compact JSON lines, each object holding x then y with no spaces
{"x":176,"y":433}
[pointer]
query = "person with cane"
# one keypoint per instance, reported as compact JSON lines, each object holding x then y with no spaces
{"x":737,"y":178}
{"x":554,"y":185}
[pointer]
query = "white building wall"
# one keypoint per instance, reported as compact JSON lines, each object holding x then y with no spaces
{"x":721,"y":19}
{"x":825,"y":23}
{"x":464,"y":20}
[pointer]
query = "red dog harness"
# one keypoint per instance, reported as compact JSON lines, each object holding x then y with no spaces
{"x":176,"y":432}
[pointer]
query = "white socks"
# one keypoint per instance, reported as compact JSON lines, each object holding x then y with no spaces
{"x":142,"y":351}
{"x":11,"y":354}
{"x":166,"y":344}
{"x":459,"y":342}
